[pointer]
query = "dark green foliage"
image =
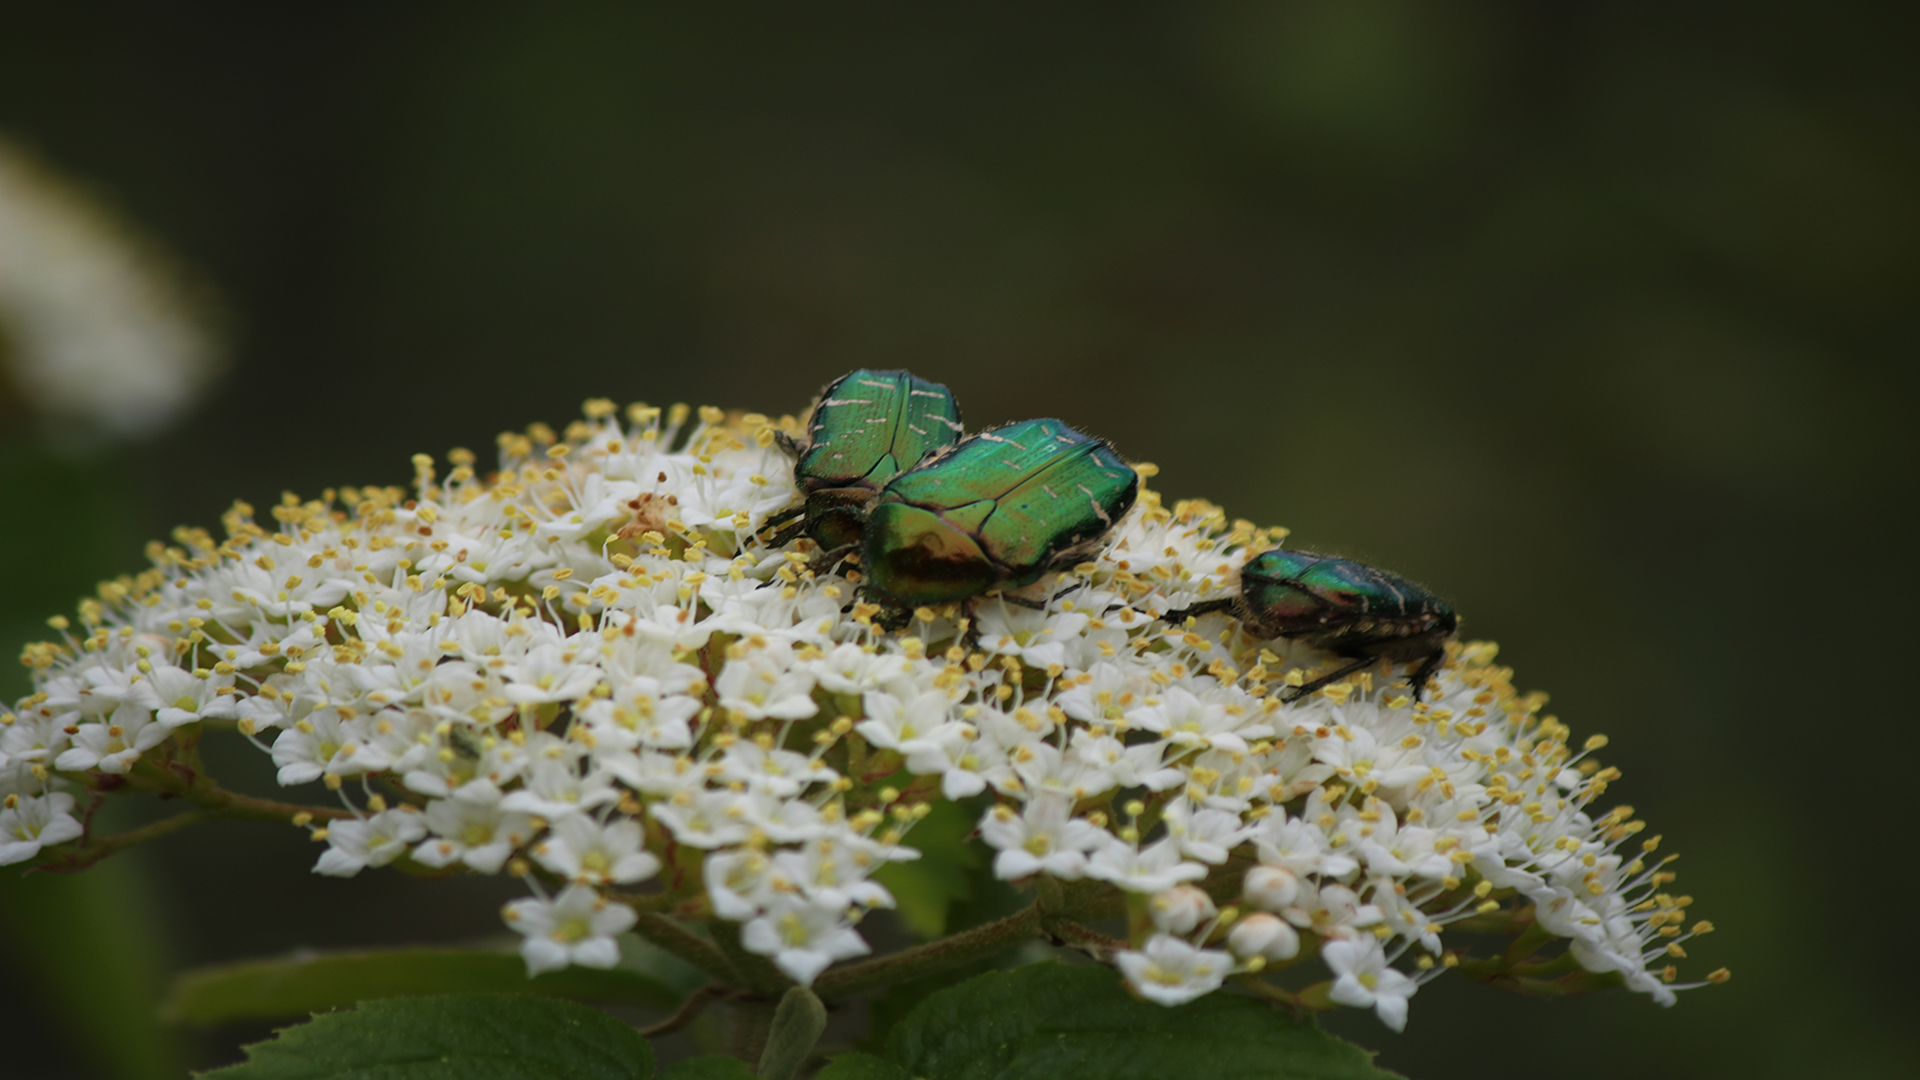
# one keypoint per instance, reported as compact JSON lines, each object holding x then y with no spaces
{"x":951,"y":868}
{"x":709,"y":1067}
{"x":279,"y":988}
{"x":862,"y":1067}
{"x":452,"y":1037}
{"x":1054,"y":1022}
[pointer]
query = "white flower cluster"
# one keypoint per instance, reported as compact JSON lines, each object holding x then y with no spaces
{"x":588,"y":663}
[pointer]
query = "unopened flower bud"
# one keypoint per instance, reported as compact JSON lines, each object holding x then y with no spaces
{"x":1270,"y":887}
{"x":1264,"y":935}
{"x":1181,"y":909}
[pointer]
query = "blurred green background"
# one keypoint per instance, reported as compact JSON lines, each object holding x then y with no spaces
{"x":1597,"y":318}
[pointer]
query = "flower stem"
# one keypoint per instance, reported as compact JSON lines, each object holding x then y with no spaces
{"x":981,"y":941}
{"x":686,"y":1013}
{"x":84,"y":857}
{"x":1260,"y":987}
{"x":686,"y":945}
{"x":187,"y":781}
{"x":1529,"y":941}
{"x":759,"y":973}
{"x":229,"y":804}
{"x":1068,"y":932}
{"x":660,"y":901}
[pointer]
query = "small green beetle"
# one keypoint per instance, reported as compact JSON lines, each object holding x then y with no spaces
{"x":999,"y":510}
{"x":1348,"y":608}
{"x":866,"y":428}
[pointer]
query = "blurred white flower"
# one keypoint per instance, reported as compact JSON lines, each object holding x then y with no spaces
{"x":802,"y":937}
{"x":97,"y":331}
{"x":1173,"y":972}
{"x":357,"y":843}
{"x":577,"y":927}
{"x":1363,"y":979}
{"x":29,"y":824}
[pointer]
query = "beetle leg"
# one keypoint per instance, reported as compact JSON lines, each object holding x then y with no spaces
{"x":1298,"y":692}
{"x":1038,"y":605}
{"x":1204,"y":607}
{"x":1021,"y":601}
{"x":789,"y":534}
{"x":787,"y":444}
{"x":826,"y":562}
{"x":1425,"y":671}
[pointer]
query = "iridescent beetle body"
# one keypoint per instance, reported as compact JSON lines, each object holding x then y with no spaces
{"x":866,"y":428}
{"x":999,"y":510}
{"x":1348,"y":608}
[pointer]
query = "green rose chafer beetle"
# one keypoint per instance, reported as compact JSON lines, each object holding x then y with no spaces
{"x":866,"y":428}
{"x":999,"y":510}
{"x":1353,"y":610}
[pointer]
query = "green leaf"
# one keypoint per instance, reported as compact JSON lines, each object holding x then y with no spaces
{"x":902,"y":998}
{"x":980,"y":900}
{"x":452,"y":1037}
{"x":928,"y":886}
{"x":1051,"y":1021}
{"x":862,"y":1067}
{"x":712,"y":1067}
{"x":797,"y":1023}
{"x":295,"y":986}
